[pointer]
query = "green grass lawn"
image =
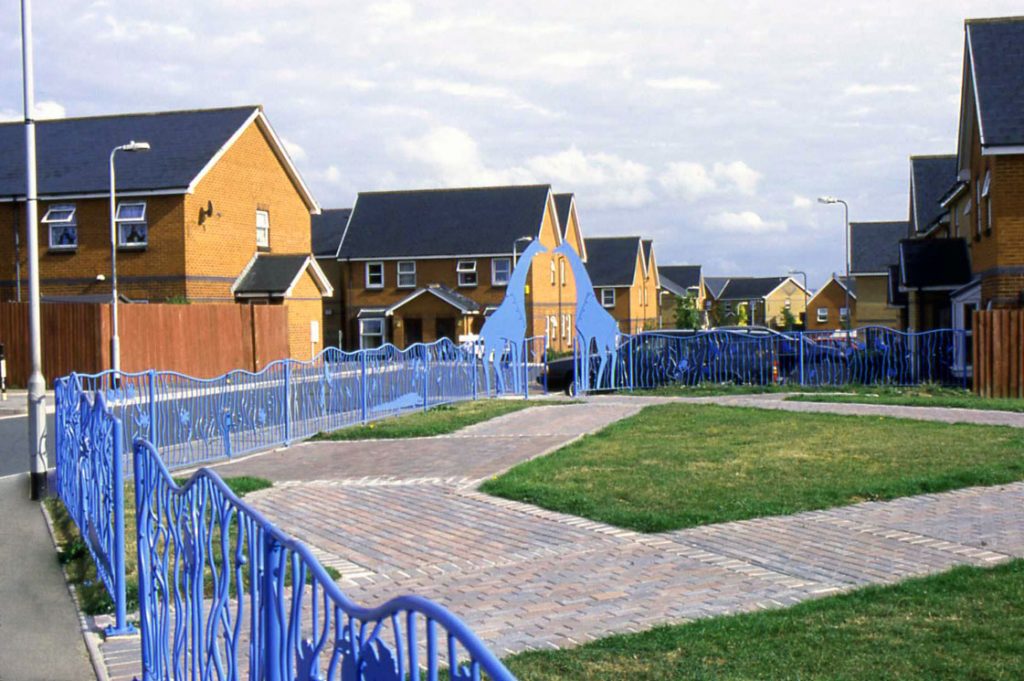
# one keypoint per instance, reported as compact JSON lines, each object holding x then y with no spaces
{"x":440,"y":420}
{"x":920,"y":396}
{"x":963,"y":624}
{"x":716,"y":390}
{"x":680,"y":465}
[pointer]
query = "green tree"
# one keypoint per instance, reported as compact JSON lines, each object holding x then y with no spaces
{"x":687,"y":314}
{"x":788,"y":319}
{"x":742,"y":314}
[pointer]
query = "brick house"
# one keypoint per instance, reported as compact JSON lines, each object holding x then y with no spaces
{"x":215,"y":200}
{"x":625,"y":278}
{"x":765,"y":299}
{"x":874,"y":251}
{"x":676,"y":282}
{"x":328,"y":228}
{"x":825,"y":308}
{"x":419,"y":265}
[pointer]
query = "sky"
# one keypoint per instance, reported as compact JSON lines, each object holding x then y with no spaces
{"x":710,"y":127}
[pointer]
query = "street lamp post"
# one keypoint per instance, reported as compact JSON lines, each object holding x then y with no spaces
{"x":515,"y":247}
{"x":36,"y":381}
{"x":115,"y":340}
{"x":846,"y":218}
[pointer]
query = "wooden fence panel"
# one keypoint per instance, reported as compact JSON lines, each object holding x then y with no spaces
{"x":999,"y":353}
{"x":202,"y":340}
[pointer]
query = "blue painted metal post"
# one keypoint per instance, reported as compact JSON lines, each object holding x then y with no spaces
{"x":287,"y":401}
{"x":121,"y":625}
{"x":273,"y":642}
{"x":363,"y":386}
{"x":426,"y":377}
{"x":152,"y":408}
{"x":632,"y":362}
{"x":473,"y":370}
{"x":801,"y":358}
{"x":526,"y":369}
{"x":545,"y":367}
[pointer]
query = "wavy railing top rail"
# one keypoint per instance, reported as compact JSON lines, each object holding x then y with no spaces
{"x":757,"y":332}
{"x":478,"y":651}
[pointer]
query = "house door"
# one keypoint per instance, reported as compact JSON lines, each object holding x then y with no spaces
{"x":446,"y":328}
{"x":413,"y":331}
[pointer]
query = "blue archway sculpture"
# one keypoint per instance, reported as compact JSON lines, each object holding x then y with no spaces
{"x":597,"y":331}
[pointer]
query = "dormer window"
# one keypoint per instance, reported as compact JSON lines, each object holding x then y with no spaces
{"x":63,"y":227}
{"x":132,"y":229}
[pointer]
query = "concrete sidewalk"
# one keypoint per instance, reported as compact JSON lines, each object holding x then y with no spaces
{"x":40,"y":635}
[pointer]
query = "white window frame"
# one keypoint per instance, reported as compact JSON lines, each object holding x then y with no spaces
{"x":553,"y":273}
{"x":561,"y":271}
{"x":977,"y":212}
{"x":131,"y":223}
{"x":844,"y":314}
{"x":263,"y":230}
{"x":822,"y":315}
{"x":407,"y":264}
{"x":606,"y":294}
{"x":465,"y":268}
{"x":494,"y":271}
{"x":788,"y":304}
{"x":363,"y":333}
{"x":986,"y":193}
{"x":374,"y":264}
{"x":65,"y":219}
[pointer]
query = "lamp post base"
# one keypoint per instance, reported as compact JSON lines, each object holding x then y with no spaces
{"x":38,"y":492}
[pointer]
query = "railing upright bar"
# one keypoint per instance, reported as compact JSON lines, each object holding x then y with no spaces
{"x":287,"y":401}
{"x":426,"y":378}
{"x":151,"y":375}
{"x":363,"y":386}
{"x":121,"y":625}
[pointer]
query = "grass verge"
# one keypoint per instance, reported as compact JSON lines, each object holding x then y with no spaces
{"x":81,"y":571}
{"x":680,"y":465}
{"x":440,"y":420}
{"x":962,"y":624}
{"x":920,"y":396}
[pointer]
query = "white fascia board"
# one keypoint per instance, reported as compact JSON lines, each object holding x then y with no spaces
{"x":141,"y":193}
{"x":326,"y":290}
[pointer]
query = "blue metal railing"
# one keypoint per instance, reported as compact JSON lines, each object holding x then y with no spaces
{"x":224,"y":594}
{"x":869,"y":356}
{"x":90,"y":482}
{"x":193,"y":420}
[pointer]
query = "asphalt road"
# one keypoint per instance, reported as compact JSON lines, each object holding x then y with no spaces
{"x":14,"y":444}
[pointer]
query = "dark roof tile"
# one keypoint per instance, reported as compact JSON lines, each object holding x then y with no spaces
{"x":875,"y":245}
{"x":931,"y":178}
{"x":270,"y":274}
{"x":934,"y":263}
{"x":327,"y":230}
{"x":611,"y":261}
{"x":997,"y":49}
{"x":749,"y":288}
{"x":685,"y":276}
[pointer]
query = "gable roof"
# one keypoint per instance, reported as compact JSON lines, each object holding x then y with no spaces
{"x":682,"y":276}
{"x":875,"y":245}
{"x":996,"y":61}
{"x":715,"y":285}
{"x":934,"y":264}
{"x":563,"y":205}
{"x":930,"y":179}
{"x":842,"y":282}
{"x":327,"y":229}
{"x":73,"y":153}
{"x":443,"y":222}
{"x":749,"y":288}
{"x":272,"y":275}
{"x":448,"y":295}
{"x":612,"y":260}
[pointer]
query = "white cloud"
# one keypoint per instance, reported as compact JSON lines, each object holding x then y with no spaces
{"x":296,"y":152}
{"x":801,"y":202}
{"x":686,"y":180}
{"x":868,"y":89}
{"x":742,"y":176}
{"x":394,"y":12}
{"x":240,"y":40}
{"x":617,"y":181}
{"x":682,"y":83}
{"x":474,"y":91}
{"x":454,"y":157}
{"x":745,"y":222}
{"x":691,"y":181}
{"x":44,"y":109}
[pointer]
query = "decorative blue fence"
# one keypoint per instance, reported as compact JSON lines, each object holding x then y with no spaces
{"x":223,"y":594}
{"x":90,"y":481}
{"x":193,"y":420}
{"x":870,"y":356}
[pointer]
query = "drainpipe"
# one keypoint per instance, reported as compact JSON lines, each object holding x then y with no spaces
{"x":17,"y":247}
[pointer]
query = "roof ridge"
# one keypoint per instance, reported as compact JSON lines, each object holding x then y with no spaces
{"x":993,"y":20}
{"x":914,"y":157}
{"x":139,"y":114}
{"x":455,"y":189}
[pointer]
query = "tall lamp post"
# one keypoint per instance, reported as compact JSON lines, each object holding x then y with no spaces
{"x":115,"y":340}
{"x":806,"y":300}
{"x":846,"y":219}
{"x":36,"y":381}
{"x":515,"y":247}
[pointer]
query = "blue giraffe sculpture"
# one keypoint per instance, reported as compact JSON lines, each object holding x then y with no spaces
{"x":594,"y":326}
{"x":505,"y":329}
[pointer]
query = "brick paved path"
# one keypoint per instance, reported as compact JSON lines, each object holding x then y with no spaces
{"x":403,"y":516}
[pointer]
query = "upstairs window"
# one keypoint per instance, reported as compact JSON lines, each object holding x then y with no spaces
{"x":501,"y":271}
{"x":986,"y":193}
{"x":374,"y":275}
{"x":466,"y":270}
{"x":561,"y":273}
{"x":977,"y":212}
{"x":844,"y":314}
{"x":63,"y":227}
{"x":608,"y":297}
{"x":552,"y":272}
{"x":132,"y":229}
{"x":407,"y":274}
{"x":262,"y":229}
{"x":822,"y":315}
